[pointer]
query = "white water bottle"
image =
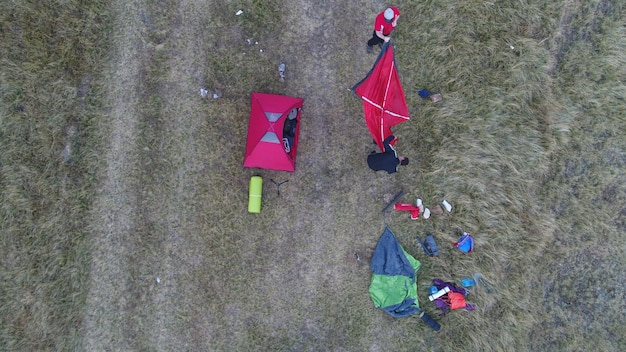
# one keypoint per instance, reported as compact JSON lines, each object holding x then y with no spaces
{"x":439,"y":293}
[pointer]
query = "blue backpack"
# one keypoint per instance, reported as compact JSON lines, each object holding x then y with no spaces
{"x":429,"y":245}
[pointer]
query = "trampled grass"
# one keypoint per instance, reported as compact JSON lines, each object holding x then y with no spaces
{"x":115,"y":172}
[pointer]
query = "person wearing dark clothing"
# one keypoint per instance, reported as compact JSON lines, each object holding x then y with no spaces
{"x":387,"y":160}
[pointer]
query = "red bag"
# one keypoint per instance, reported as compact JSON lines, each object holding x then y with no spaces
{"x":456,"y":300}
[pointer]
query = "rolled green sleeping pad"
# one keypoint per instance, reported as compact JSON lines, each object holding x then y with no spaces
{"x":254,"y":199}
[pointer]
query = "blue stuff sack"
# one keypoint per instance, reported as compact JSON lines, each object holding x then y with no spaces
{"x":465,"y":243}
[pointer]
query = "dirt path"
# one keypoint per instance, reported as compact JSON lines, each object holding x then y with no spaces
{"x":104,"y":315}
{"x":116,"y":207}
{"x":137,"y":255}
{"x":177,"y":251}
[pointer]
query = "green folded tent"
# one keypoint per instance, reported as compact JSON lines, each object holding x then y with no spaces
{"x":394,"y":277}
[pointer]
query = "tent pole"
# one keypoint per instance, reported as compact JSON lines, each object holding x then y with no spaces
{"x":395,"y":198}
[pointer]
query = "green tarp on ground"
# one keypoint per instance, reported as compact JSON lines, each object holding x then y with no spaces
{"x":394,"y":277}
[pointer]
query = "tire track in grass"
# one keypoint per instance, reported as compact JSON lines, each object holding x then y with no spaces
{"x":113,"y":216}
{"x":148,"y":200}
{"x":179,"y":252}
{"x":312,"y":78}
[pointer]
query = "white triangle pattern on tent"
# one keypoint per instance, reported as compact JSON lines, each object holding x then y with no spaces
{"x":273,"y":116}
{"x":270,"y":137}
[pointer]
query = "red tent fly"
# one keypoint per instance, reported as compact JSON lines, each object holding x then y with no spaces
{"x":384,"y":104}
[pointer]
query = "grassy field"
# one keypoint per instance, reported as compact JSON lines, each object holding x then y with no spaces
{"x":124,"y":224}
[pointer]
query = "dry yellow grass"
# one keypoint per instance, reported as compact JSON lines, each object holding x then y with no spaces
{"x":115,"y":172}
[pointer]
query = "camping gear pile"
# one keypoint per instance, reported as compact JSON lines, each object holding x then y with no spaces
{"x":272,"y":143}
{"x":393,"y":287}
{"x":446,"y":296}
{"x":394,"y":280}
{"x":449,"y":296}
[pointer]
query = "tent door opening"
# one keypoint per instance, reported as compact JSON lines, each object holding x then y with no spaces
{"x":289,"y":129}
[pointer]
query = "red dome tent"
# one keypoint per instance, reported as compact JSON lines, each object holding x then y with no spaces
{"x":273,"y":132}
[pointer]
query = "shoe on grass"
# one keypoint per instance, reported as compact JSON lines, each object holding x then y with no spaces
{"x":426,"y":213}
{"x":419,"y":204}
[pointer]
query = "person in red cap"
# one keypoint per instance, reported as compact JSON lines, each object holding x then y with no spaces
{"x":384,"y":24}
